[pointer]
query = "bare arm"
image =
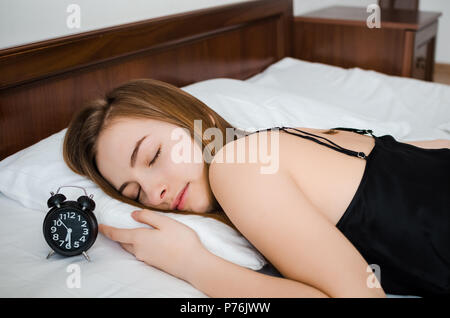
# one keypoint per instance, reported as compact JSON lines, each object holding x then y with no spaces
{"x":280,"y":221}
{"x":430,"y":144}
{"x":218,"y":278}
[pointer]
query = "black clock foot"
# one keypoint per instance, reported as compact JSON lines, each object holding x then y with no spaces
{"x":86,"y":256}
{"x":50,"y":254}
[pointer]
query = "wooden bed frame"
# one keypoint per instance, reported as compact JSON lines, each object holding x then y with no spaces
{"x":42,"y":84}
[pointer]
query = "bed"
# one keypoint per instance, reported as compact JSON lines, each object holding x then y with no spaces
{"x":235,"y":58}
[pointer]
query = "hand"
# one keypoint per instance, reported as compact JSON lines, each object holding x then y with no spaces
{"x":67,"y":236}
{"x":171,"y":246}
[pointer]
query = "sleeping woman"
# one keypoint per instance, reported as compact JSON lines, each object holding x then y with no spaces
{"x":345,"y":214}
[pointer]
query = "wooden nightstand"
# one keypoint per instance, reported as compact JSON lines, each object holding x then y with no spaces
{"x":403,"y":46}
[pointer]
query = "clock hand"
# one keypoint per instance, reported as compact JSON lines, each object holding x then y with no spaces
{"x":63,"y":224}
{"x":69,"y":233}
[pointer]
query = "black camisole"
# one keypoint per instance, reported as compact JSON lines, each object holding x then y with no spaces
{"x":399,"y":217}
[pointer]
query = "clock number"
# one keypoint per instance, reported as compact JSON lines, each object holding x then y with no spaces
{"x":76,"y":244}
{"x":83,"y":224}
{"x":53,"y":229}
{"x":83,"y":239}
{"x":55,"y":237}
{"x":85,"y":231}
{"x":57,"y":222}
{"x":62,"y":242}
{"x":68,"y":215}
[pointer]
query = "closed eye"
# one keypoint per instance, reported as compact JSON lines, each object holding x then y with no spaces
{"x":156,"y":156}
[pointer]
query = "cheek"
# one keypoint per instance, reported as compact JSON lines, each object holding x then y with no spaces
{"x":194,"y":166}
{"x":186,"y":171}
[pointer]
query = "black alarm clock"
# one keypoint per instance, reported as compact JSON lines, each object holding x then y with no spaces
{"x":70,"y":227}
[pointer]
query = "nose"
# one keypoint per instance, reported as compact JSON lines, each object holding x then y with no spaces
{"x":155,"y":194}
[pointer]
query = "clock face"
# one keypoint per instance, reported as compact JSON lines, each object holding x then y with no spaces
{"x":69,"y":231}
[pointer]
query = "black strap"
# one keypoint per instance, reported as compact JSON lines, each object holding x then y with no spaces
{"x":361,"y":155}
{"x":359,"y":131}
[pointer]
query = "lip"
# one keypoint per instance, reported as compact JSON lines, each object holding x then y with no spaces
{"x":180,"y":199}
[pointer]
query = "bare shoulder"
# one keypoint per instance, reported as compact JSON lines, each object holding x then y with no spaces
{"x":251,"y":152}
{"x":261,"y":146}
{"x":240,"y":163}
{"x":270,"y":152}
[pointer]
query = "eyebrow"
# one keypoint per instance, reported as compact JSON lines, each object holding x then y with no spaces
{"x":133,"y":158}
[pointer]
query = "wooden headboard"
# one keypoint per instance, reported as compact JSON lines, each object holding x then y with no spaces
{"x":42,"y":84}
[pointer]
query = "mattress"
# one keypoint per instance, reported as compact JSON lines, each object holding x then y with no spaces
{"x":297,"y":93}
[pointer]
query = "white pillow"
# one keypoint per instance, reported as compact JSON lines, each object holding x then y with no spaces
{"x":251,"y":106}
{"x":29,"y":175}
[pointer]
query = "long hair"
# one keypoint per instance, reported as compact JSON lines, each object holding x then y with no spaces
{"x":138,"y":98}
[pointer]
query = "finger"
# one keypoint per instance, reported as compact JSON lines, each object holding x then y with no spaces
{"x":116,"y":234}
{"x":150,"y":217}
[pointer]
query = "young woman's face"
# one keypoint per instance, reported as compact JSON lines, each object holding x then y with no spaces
{"x":128,"y":158}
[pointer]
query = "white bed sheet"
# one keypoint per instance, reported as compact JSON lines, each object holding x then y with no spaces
{"x":25,"y":272}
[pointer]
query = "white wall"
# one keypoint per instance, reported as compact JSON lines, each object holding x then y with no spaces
{"x":442,"y":43}
{"x":303,"y":6}
{"x":443,"y":40}
{"x":26,"y":21}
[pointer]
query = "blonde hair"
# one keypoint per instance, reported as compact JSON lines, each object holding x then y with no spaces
{"x":139,"y":98}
